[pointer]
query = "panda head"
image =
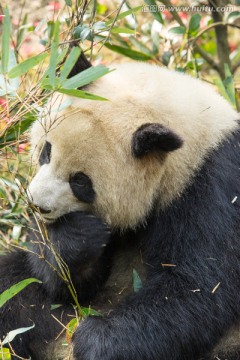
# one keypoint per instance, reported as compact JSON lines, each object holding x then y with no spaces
{"x":120,"y":157}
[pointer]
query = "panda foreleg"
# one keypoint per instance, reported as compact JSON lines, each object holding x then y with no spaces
{"x":151,"y":326}
{"x":79,"y":240}
{"x":30,"y":307}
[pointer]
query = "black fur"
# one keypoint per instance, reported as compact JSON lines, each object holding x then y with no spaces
{"x":82,"y":187}
{"x":80,"y":239}
{"x":154,"y":137}
{"x":189,"y":299}
{"x":45,"y":155}
{"x":81,"y":64}
{"x":169,"y":318}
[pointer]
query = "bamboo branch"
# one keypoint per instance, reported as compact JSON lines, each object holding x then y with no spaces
{"x":235,"y":66}
{"x":221,"y":36}
{"x":207,"y":58}
{"x":174,"y":12}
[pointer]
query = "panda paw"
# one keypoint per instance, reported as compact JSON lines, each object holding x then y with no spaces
{"x":80,"y":222}
{"x":92,"y":342}
{"x":79,"y":235}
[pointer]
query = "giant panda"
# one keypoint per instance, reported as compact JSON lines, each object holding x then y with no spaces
{"x":146,"y":181}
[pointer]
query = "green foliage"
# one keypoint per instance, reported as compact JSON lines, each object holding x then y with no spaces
{"x":81,"y":94}
{"x":122,"y":30}
{"x":26,"y":65}
{"x":86,"y":77}
{"x":54,"y":54}
{"x":234,"y":15}
{"x":13,"y":333}
{"x":83,"y":32}
{"x":69,"y":86}
{"x":14,"y":132}
{"x":194,"y":24}
{"x":5,"y":354}
{"x":227,"y":87}
{"x":124,"y":14}
{"x":178,"y":30}
{"x":157,"y":15}
{"x":90,"y":312}
{"x":68,"y":2}
{"x":137,"y":282}
{"x":6,"y":41}
{"x":15,"y":289}
{"x":51,"y":80}
{"x":69,"y":63}
{"x":133,"y":54}
{"x":228,"y":82}
{"x":72,"y":325}
{"x":71,"y":328}
{"x":21,"y":31}
{"x":12,"y":219}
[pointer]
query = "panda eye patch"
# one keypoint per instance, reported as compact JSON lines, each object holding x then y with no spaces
{"x":82,"y":187}
{"x":45,"y":155}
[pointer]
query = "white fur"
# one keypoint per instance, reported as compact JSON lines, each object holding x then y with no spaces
{"x":55,"y":195}
{"x":95,"y":137}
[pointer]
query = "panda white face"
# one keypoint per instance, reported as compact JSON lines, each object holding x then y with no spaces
{"x":117,"y":158}
{"x":53,"y":196}
{"x":85,"y":168}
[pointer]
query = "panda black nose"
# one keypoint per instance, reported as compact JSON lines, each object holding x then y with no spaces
{"x":43,"y":211}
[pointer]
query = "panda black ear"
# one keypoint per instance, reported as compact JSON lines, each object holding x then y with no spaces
{"x":81,"y":64}
{"x":154,"y":137}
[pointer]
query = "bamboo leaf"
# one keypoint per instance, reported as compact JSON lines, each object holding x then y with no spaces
{"x":89,"y":311}
{"x":26,"y":65}
{"x":125,"y":13}
{"x":178,"y":30}
{"x":156,"y":14}
{"x":16,"y":231}
{"x":85,"y":77}
{"x":6,"y":41}
{"x":16,"y":130}
{"x":221,"y":88}
{"x":81,"y":94}
{"x":226,"y":87}
{"x":5,"y":354}
{"x":83,"y":32}
{"x":15,"y":289}
{"x":12,"y":60}
{"x":55,"y":306}
{"x":12,"y":334}
{"x":71,"y":328}
{"x":194,"y":24}
{"x":122,"y":30}
{"x":5,"y":87}
{"x":229,"y":85}
{"x":60,"y":58}
{"x":137,"y":282}
{"x":54,"y":54}
{"x":234,"y":15}
{"x":21,"y":30}
{"x":68,"y":2}
{"x":99,"y":25}
{"x":69,"y":63}
{"x":135,"y":55}
{"x":14,"y":83}
{"x":138,"y":44}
